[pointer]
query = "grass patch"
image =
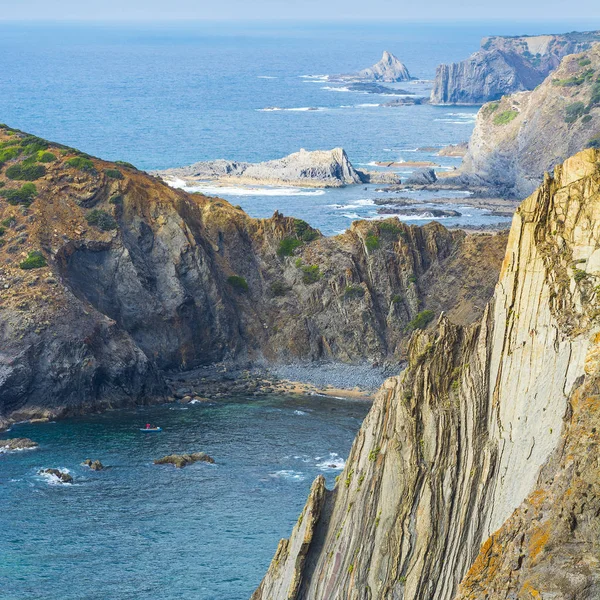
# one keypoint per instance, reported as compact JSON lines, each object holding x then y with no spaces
{"x":310,"y":274}
{"x":101,"y":219}
{"x":353,"y":291}
{"x":82,"y":163}
{"x":9,"y":153}
{"x":25,"y":172}
{"x":287,"y":246}
{"x":372,"y":242}
{"x":113,"y":173}
{"x":24,"y":195}
{"x":239,"y":284}
{"x":576,"y":80}
{"x":278,"y":288}
{"x":304,"y":231}
{"x":505,"y":117}
{"x":584,"y":62}
{"x":490,"y":108}
{"x":44,"y":156}
{"x":122,"y":163}
{"x":390,"y":230}
{"x":421,"y":320}
{"x":35,"y":260}
{"x":574,"y":111}
{"x":397,"y":298}
{"x":579,"y":275}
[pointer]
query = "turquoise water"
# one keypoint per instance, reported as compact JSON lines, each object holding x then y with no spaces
{"x":138,"y":530}
{"x":168,"y":96}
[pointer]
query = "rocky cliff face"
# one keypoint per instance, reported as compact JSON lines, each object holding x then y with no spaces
{"x":519,"y":138}
{"x":109,"y":276}
{"x":505,"y":65}
{"x":455,"y":444}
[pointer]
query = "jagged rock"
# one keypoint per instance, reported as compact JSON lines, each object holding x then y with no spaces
{"x":61,"y":476}
{"x":421,"y":177}
{"x":455,"y":444}
{"x":17,"y":444}
{"x":505,"y":65}
{"x":319,"y":168}
{"x":389,"y":69}
{"x":182,"y":460}
{"x":422,"y":212}
{"x":95,"y":465}
{"x":518,"y":139}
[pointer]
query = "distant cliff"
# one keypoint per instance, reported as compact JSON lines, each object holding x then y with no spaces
{"x":109,"y":276}
{"x":443,"y":481}
{"x":505,"y":65}
{"x":319,"y":168}
{"x":517,"y":139}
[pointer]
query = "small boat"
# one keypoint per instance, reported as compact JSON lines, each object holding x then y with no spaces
{"x":151,"y":429}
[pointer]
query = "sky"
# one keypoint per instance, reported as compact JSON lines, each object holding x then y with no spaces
{"x":304,"y":10}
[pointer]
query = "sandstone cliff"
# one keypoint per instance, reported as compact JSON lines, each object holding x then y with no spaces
{"x":319,"y":168}
{"x":456,"y":443}
{"x":505,"y":65}
{"x":109,"y":276}
{"x":519,"y":138}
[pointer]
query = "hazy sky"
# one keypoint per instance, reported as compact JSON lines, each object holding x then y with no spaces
{"x":305,"y":10}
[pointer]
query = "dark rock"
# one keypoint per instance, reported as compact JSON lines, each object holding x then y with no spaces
{"x":182,"y":460}
{"x":17,"y":444}
{"x":95,"y":465}
{"x":421,"y":177}
{"x":62,"y":476}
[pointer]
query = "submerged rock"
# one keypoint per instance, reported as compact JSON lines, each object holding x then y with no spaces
{"x":62,"y":476}
{"x":95,"y":465}
{"x":17,"y":444}
{"x":182,"y":460}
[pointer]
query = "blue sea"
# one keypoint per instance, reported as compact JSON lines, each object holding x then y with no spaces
{"x":166,"y":96}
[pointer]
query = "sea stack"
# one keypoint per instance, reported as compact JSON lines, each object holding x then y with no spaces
{"x":389,"y":68}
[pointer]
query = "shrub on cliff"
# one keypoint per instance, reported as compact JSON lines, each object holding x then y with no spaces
{"x":82,"y":163}
{"x":574,"y":111}
{"x":239,"y":284}
{"x":101,"y":219}
{"x":594,"y":142}
{"x":278,"y":288}
{"x":353,"y":292}
{"x":311,"y":274}
{"x":25,"y":172}
{"x":35,"y":260}
{"x":9,"y":153}
{"x":390,"y":230}
{"x":287,"y":246}
{"x":304,"y":231}
{"x":421,"y":320}
{"x":372,"y":241}
{"x":24,"y":195}
{"x":505,"y":117}
{"x":45,"y":157}
{"x":113,"y":173}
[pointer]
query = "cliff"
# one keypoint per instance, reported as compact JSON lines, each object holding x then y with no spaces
{"x":110,"y":277}
{"x":319,"y":168}
{"x":491,"y":431}
{"x":505,"y":65}
{"x":517,"y":139}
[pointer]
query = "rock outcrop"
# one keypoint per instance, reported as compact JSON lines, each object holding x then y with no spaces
{"x":183,"y":460}
{"x":389,"y":69}
{"x":13,"y":444}
{"x":94,"y":465}
{"x":110,"y":277}
{"x":517,"y":139}
{"x":505,"y":65}
{"x":58,"y":475}
{"x":319,"y":168}
{"x":480,"y":459}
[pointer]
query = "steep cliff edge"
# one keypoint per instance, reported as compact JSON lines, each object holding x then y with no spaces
{"x":505,"y":65}
{"x":109,"y":276}
{"x":455,"y":444}
{"x":519,"y":138}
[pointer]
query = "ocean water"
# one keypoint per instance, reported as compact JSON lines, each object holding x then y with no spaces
{"x":138,"y":530}
{"x":166,"y":96}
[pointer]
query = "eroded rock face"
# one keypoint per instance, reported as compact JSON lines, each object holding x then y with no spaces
{"x":505,"y":65}
{"x":518,"y":139}
{"x":138,"y":277}
{"x":453,"y":446}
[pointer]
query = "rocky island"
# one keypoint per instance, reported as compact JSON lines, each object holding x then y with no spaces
{"x":505,"y":65}
{"x":389,"y":69}
{"x":319,"y":169}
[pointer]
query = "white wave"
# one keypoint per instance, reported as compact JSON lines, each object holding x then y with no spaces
{"x":366,"y":105}
{"x":298,"y":109}
{"x":451,"y":121}
{"x":351,"y":216}
{"x":265,"y":77}
{"x":288,"y":474}
{"x":315,"y":77}
{"x":53,"y":479}
{"x":333,"y":462}
{"x":8,"y":451}
{"x":300,"y":413}
{"x":331,"y":88}
{"x":355,"y":204}
{"x":251,"y":191}
{"x":179,"y":408}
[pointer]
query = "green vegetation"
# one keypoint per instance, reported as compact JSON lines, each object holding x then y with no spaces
{"x":390,"y":230}
{"x":304,"y":231}
{"x":586,"y":119}
{"x":584,"y":62}
{"x":25,"y":172}
{"x":44,"y":156}
{"x":594,"y":142}
{"x":412,"y":279}
{"x":2,"y":230}
{"x":82,"y":163}
{"x":24,"y":195}
{"x":489,"y":108}
{"x":118,"y":199}
{"x":239,"y":284}
{"x":595,"y":97}
{"x":278,"y":288}
{"x":287,"y":246}
{"x":421,"y":320}
{"x":350,"y":568}
{"x":311,"y":274}
{"x":9,"y":153}
{"x":9,"y":222}
{"x":397,"y":298}
{"x":122,"y":163}
{"x":505,"y":117}
{"x":101,"y":219}
{"x":576,"y":80}
{"x":35,"y":260}
{"x":574,"y":111}
{"x":353,"y":291}
{"x":579,"y":275}
{"x":372,"y":241}
{"x":374,"y":454}
{"x":113,"y":173}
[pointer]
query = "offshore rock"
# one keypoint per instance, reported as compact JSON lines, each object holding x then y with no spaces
{"x":505,"y":65}
{"x":94,"y":465}
{"x":60,"y":476}
{"x":17,"y":444}
{"x":389,"y":69}
{"x":183,"y":460}
{"x":473,"y":430}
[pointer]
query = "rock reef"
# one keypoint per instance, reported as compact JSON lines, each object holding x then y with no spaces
{"x":505,"y":65}
{"x":183,"y":460}
{"x":13,"y":444}
{"x":478,"y":464}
